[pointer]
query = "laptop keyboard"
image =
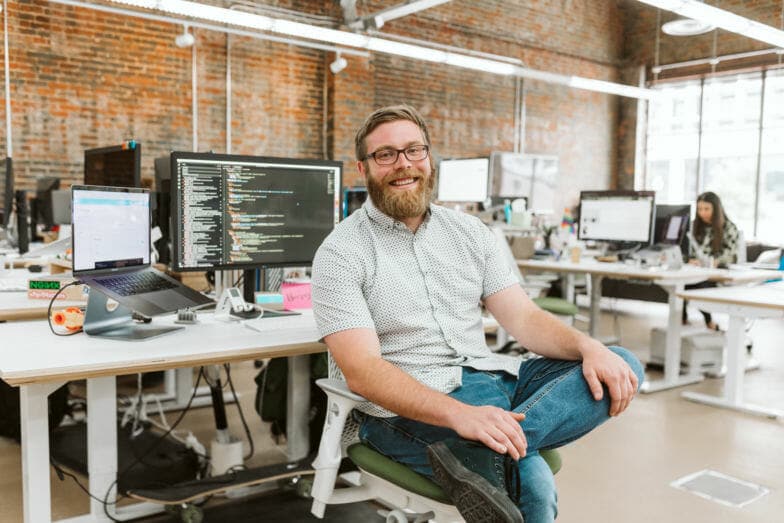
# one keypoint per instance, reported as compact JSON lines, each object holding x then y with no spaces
{"x":136,"y":283}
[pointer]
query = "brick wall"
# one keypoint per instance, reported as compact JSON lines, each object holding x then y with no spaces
{"x":81,"y":79}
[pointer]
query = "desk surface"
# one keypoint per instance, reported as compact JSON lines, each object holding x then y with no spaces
{"x":32,"y":354}
{"x":16,"y":306}
{"x":769,"y":296}
{"x":688,"y":273}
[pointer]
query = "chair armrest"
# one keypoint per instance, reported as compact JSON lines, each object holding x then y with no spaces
{"x":340,"y":402}
{"x":340,"y":388}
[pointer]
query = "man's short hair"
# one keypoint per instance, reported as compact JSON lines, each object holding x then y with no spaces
{"x":387,"y":114}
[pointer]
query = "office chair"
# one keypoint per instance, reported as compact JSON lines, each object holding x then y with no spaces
{"x":411,"y":496}
{"x":561,"y":308}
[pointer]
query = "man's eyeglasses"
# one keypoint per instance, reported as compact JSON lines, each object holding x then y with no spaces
{"x":388,"y":156}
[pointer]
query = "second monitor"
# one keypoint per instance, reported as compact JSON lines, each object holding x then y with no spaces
{"x":242,"y":212}
{"x":618,"y":217}
{"x":463,"y":180}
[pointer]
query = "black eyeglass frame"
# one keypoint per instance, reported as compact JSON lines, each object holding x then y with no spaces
{"x":397,"y":154}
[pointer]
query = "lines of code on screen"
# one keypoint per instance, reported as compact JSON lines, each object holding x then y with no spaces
{"x":242,"y":214}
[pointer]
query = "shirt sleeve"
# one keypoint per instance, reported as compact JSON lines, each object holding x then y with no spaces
{"x":336,"y":288}
{"x":498,"y":274}
{"x":729,"y":245}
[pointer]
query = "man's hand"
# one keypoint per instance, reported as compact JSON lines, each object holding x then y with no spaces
{"x":601,"y":365}
{"x":497,"y":428}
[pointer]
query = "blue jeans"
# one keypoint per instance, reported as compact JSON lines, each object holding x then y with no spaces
{"x":558,"y":405}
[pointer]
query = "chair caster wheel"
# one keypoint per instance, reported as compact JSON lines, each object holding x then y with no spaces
{"x":396,"y":516}
{"x":188,"y":513}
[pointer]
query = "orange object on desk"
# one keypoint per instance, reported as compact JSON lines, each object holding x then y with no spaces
{"x":72,"y":318}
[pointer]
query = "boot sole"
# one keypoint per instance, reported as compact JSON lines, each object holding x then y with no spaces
{"x":475,"y":498}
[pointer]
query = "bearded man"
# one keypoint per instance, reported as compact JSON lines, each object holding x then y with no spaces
{"x":397,"y":294}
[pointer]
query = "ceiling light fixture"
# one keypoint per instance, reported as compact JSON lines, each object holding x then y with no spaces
{"x":686,"y":27}
{"x":398,"y":11}
{"x":338,"y":64}
{"x":720,"y":18}
{"x":184,"y":39}
{"x":344,"y":38}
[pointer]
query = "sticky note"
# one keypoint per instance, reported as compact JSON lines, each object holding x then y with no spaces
{"x":295,"y":295}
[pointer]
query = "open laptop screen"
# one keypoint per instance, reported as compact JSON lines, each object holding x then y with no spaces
{"x":110,"y":228}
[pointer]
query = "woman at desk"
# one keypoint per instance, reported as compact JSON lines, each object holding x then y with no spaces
{"x":714,"y":243}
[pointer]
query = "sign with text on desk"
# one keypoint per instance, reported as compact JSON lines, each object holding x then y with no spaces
{"x":296,"y":295}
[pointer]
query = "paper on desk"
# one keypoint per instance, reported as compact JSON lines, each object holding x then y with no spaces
{"x":295,"y":295}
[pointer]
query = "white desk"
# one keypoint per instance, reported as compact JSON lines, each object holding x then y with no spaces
{"x":672,"y":281}
{"x":47,"y":361}
{"x":740,"y":303}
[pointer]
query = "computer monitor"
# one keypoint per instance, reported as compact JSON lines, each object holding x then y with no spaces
{"x":618,"y":217}
{"x":672,"y":225}
{"x":162,"y":211}
{"x":463,"y":180}
{"x":44,"y":186}
{"x":353,"y":198}
{"x":7,"y":193}
{"x":115,"y":166}
{"x":244,"y":212}
{"x":61,"y":207}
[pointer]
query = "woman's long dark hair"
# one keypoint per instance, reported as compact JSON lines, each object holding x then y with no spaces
{"x":717,"y":221}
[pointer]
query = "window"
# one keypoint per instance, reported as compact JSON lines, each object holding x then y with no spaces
{"x":721,"y":135}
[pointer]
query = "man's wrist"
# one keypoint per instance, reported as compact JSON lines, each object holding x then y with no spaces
{"x":588,"y":346}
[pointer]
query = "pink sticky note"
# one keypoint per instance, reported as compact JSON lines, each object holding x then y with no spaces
{"x":295,"y":295}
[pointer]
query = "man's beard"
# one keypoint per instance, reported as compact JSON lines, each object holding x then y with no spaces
{"x":401,"y":204}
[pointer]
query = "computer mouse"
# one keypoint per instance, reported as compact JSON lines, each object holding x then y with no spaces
{"x":35,"y":268}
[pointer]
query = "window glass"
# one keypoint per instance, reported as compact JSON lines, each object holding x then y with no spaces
{"x":771,"y":191}
{"x":681,"y":162}
{"x":730,"y":144}
{"x":673,"y":143}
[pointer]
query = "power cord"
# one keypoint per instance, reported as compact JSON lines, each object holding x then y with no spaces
{"x":49,"y":310}
{"x":139,"y":459}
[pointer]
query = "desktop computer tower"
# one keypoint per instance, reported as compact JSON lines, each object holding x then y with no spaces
{"x":702,"y":350}
{"x":21,"y":221}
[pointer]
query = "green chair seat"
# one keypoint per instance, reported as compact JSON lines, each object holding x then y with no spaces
{"x":379,"y":465}
{"x":556,"y":305}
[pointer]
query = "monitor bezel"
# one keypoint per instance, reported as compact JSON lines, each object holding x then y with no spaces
{"x":137,"y":160}
{"x":74,"y":227}
{"x":8,"y":194}
{"x":619,"y":194}
{"x":176,"y":218}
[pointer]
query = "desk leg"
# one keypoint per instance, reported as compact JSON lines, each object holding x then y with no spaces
{"x":34,"y":411}
{"x":596,"y":299}
{"x":672,"y":351}
{"x":298,"y":408}
{"x":733,"y":381}
{"x":102,"y":444}
{"x":568,"y":290}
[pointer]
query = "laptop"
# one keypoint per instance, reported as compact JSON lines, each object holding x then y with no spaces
{"x":111,"y":251}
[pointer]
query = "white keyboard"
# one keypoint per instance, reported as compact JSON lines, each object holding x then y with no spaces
{"x":14,"y":284}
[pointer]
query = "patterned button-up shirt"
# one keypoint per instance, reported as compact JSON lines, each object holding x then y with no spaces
{"x":420,"y":292}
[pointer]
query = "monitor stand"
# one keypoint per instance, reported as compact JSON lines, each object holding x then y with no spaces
{"x":103,"y":320}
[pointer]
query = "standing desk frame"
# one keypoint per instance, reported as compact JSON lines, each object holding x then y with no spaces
{"x":46,"y":362}
{"x":740,"y":303}
{"x":672,"y":281}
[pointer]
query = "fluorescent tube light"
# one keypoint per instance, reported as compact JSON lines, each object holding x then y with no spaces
{"x":234,"y":17}
{"x":406,"y":9}
{"x":721,"y":18}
